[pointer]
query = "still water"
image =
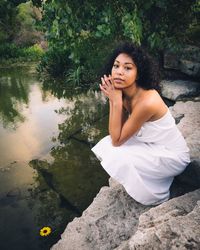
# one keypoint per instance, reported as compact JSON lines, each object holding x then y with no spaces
{"x":48,"y":174}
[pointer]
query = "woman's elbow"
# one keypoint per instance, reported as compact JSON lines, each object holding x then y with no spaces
{"x":116,"y":143}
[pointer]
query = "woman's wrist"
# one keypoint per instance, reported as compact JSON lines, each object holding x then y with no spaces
{"x":117,"y":103}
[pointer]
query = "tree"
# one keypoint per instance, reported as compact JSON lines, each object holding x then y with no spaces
{"x":85,"y":31}
{"x":8,"y":12}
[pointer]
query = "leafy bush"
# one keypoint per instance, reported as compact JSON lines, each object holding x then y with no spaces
{"x":34,"y":52}
{"x":85,"y":35}
{"x":26,"y":19}
{"x":8,"y":51}
{"x":55,"y":62}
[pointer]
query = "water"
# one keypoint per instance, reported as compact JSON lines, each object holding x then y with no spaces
{"x":48,"y":174}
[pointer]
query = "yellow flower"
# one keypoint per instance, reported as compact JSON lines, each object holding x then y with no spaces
{"x":45,"y":231}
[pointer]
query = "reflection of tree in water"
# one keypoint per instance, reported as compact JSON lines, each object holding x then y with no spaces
{"x":68,"y":184}
{"x":14,"y":89}
{"x":58,"y":88}
{"x":87,"y":109}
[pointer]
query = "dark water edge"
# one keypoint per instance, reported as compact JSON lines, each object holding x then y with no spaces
{"x":48,"y":174}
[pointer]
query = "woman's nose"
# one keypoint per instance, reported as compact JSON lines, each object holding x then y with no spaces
{"x":120,"y":71}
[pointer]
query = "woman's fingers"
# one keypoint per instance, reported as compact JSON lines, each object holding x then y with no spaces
{"x":106,"y":86}
{"x":111,"y":80}
{"x":103,"y":89}
{"x":107,"y":81}
{"x":103,"y":81}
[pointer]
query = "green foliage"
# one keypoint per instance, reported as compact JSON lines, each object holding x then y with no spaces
{"x":84,"y":32}
{"x":25,"y":15}
{"x":8,"y":24}
{"x":27,"y":19}
{"x":38,"y":3}
{"x":34,"y":52}
{"x":73,"y":76}
{"x":55,"y":61}
{"x":132,"y":26}
{"x":11,"y":51}
{"x":19,"y":22}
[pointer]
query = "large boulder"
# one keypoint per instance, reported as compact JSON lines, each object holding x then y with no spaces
{"x":189,"y":124}
{"x":187,"y":60}
{"x":188,"y":116}
{"x":172,"y":225}
{"x":177,"y":89}
{"x":109,"y":220}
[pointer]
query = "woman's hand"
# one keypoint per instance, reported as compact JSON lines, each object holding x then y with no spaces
{"x":107,"y":87}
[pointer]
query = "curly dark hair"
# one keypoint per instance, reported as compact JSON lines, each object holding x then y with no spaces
{"x":148,"y":73}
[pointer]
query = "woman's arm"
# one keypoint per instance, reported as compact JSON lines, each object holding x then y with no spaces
{"x":110,"y":115}
{"x":119,"y":131}
{"x":115,"y":119}
{"x":116,"y":107}
{"x":141,"y":113}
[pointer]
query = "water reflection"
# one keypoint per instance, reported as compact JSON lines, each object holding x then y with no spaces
{"x":32,"y":136}
{"x":73,"y":177}
{"x":13,"y":97}
{"x":48,"y":174}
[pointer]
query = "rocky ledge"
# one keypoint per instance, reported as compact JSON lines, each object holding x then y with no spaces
{"x":115,"y":221}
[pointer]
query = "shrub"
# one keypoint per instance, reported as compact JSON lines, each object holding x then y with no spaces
{"x":34,"y":52}
{"x":83,"y":35}
{"x":55,"y":62}
{"x":9,"y":51}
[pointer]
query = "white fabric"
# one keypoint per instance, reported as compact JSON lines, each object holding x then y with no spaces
{"x":147,"y":163}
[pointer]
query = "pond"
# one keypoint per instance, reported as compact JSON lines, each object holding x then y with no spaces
{"x":48,"y":174}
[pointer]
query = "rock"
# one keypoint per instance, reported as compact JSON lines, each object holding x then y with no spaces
{"x":172,"y":225}
{"x":191,"y":53}
{"x":111,"y":219}
{"x":170,"y":60}
{"x":113,"y":182}
{"x":190,"y":68}
{"x":187,"y":60}
{"x":189,"y":125}
{"x":189,"y":113}
{"x":175,"y":90}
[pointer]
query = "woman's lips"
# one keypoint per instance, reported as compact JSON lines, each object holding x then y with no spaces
{"x":118,"y":80}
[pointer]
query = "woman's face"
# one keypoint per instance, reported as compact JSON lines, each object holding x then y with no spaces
{"x":124,"y":71}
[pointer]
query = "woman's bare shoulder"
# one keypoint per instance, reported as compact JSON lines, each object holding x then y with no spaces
{"x":154,"y":101}
{"x":152,"y":98}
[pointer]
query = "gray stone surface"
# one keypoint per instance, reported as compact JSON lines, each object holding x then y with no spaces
{"x":191,"y":53}
{"x":177,"y":89}
{"x":172,"y":225}
{"x":189,"y":125}
{"x":170,"y":60}
{"x":190,"y":68}
{"x":187,"y":60}
{"x":111,"y":219}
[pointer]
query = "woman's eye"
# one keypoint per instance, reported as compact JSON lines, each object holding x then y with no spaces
{"x":115,"y":66}
{"x":127,"y":68}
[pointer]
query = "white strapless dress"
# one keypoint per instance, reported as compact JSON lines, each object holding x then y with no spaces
{"x":147,"y":163}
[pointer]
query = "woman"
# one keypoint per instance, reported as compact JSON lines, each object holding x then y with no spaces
{"x":145,"y":149}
